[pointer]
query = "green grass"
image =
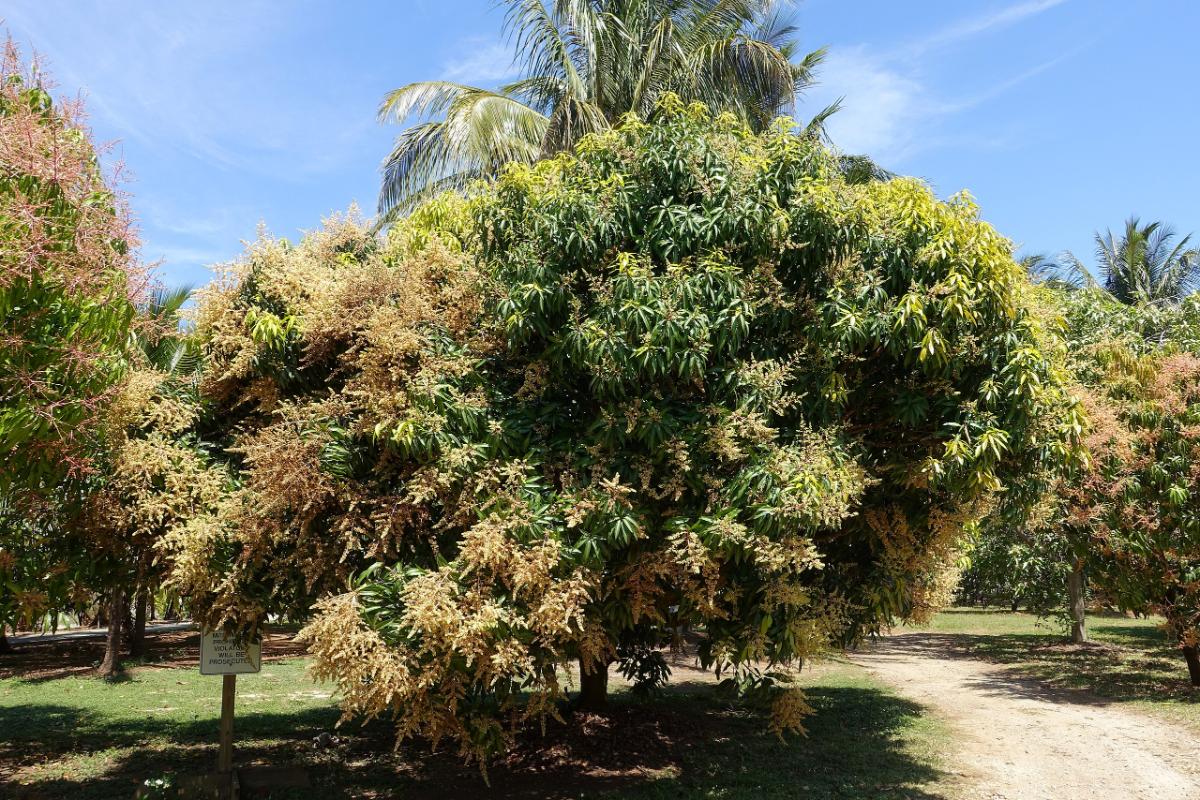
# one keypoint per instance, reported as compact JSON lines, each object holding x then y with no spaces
{"x":1128,"y":661}
{"x":73,"y":736}
{"x":83,"y":739}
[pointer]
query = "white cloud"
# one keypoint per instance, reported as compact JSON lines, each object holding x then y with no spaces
{"x":481,"y":61}
{"x":881,"y":105}
{"x":889,"y":111}
{"x":176,"y":264}
{"x":170,"y":220}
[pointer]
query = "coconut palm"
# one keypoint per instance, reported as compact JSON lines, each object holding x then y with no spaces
{"x":583,"y":65}
{"x":1038,"y":266}
{"x":160,"y":340}
{"x":1146,"y":264}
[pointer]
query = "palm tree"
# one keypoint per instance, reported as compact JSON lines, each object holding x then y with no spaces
{"x":160,"y":340}
{"x":584,"y":64}
{"x":1038,"y":266}
{"x":1146,"y":264}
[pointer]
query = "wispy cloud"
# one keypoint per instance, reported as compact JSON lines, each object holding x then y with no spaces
{"x":217,"y":221}
{"x":480,"y":61}
{"x":890,"y":111}
{"x":995,"y":90}
{"x":168,"y":78}
{"x":983,"y":23}
{"x":189,"y":256}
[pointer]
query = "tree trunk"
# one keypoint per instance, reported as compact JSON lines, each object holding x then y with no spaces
{"x":1015,"y":605}
{"x":593,"y":687}
{"x":1192,"y":656}
{"x":111,"y":665}
{"x":5,"y":647}
{"x":1076,"y":590}
{"x":127,"y":625}
{"x":137,"y":638}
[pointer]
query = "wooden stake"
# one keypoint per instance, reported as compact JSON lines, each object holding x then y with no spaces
{"x":228,"y":689}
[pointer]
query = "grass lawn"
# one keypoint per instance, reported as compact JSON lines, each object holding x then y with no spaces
{"x":1128,"y":660}
{"x":69,"y":735}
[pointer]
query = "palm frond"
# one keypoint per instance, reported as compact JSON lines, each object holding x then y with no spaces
{"x":162,"y":344}
{"x":166,"y":303}
{"x":421,"y":100}
{"x":1038,"y":266}
{"x":749,"y":77}
{"x":806,"y":68}
{"x":532,"y":30}
{"x":1146,"y":263}
{"x":480,"y":132}
{"x":584,"y":64}
{"x":815,"y":129}
{"x":655,"y":52}
{"x":572,"y":120}
{"x":1075,"y":271}
{"x":859,"y":169}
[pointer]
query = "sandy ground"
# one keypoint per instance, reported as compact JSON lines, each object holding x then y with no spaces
{"x":1020,"y":740}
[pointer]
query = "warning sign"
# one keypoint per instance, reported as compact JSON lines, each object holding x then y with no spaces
{"x":222,"y":655}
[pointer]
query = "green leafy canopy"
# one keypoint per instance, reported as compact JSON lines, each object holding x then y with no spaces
{"x":685,"y":375}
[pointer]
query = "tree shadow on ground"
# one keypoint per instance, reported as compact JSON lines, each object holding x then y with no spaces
{"x":677,"y":746}
{"x":1146,"y":637}
{"x":1130,"y":664}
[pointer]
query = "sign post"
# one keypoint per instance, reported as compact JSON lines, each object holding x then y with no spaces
{"x":221,"y":654}
{"x":228,"y":690}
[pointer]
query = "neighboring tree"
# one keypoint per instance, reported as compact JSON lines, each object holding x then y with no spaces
{"x":66,"y":278}
{"x":583,"y":66}
{"x":44,"y":567}
{"x":1134,"y":511}
{"x":167,"y":349}
{"x":1034,"y":555}
{"x":1147,"y":533}
{"x":158,"y":476}
{"x":1022,"y":565}
{"x":687,"y":376}
{"x":1145,"y":265}
{"x":1052,"y":558}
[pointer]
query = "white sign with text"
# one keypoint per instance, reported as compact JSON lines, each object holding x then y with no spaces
{"x":222,"y":655}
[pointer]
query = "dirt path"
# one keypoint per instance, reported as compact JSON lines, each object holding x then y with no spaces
{"x":1021,"y":740}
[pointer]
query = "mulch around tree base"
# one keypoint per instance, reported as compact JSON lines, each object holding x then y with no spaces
{"x":587,"y":753}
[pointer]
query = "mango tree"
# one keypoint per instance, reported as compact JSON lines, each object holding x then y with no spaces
{"x":66,"y":277}
{"x":686,"y":377}
{"x":68,"y":285}
{"x":1136,"y":505}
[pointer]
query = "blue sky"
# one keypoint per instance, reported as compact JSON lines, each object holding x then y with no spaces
{"x":1059,"y":116}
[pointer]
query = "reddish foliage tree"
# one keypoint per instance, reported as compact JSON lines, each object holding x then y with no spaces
{"x":69,"y":281}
